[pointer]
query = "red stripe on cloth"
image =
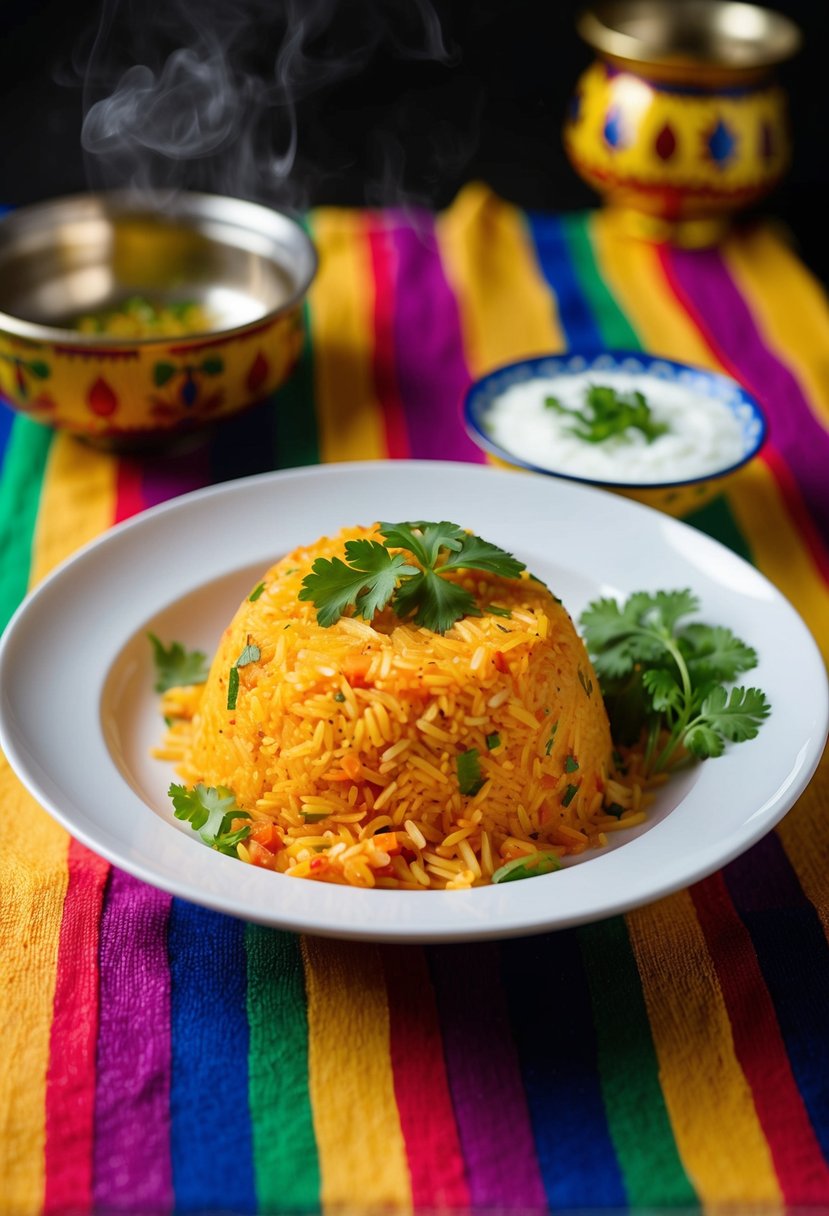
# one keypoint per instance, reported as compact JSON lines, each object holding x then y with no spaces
{"x":747,"y":371}
{"x":421,"y":1088}
{"x":70,"y":1080}
{"x":383,"y":267}
{"x":128,"y":497}
{"x":798,"y":1162}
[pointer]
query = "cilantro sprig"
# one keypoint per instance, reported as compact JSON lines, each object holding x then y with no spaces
{"x":668,"y":680}
{"x":372,"y":576}
{"x":210,"y":811}
{"x":175,"y":666}
{"x":607,"y":412}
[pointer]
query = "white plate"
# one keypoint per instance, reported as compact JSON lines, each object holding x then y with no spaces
{"x":78,"y":714}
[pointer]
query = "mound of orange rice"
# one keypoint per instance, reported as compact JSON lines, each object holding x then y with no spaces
{"x":349,"y":745}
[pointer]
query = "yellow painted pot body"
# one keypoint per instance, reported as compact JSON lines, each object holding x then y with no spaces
{"x":118,"y":393}
{"x":677,"y":156}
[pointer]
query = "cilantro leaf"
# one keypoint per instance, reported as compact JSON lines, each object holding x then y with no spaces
{"x":477,"y":554}
{"x":366,"y":583}
{"x":251,"y":654}
{"x":664,"y":688}
{"x":233,"y":687}
{"x":527,"y":867}
{"x":423,"y":539}
{"x":470,"y":778}
{"x":210,"y":810}
{"x":174,"y":665}
{"x":435,"y":602}
{"x":737,"y":715}
{"x":715,"y":652}
{"x":703,"y":741}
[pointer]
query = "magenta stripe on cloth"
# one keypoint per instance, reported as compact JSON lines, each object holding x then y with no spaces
{"x":431,"y":371}
{"x":795,"y":432}
{"x":166,"y":475}
{"x":132,"y":1096}
{"x":485,"y":1081}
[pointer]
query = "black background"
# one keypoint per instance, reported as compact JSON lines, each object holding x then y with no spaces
{"x":493,"y":112}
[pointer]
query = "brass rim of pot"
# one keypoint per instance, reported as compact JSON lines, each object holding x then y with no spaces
{"x":691,"y":39}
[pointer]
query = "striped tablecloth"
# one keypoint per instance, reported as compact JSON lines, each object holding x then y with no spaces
{"x":157,"y":1056}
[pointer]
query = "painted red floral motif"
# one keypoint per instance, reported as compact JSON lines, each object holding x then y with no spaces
{"x":665,"y":143}
{"x":258,"y":373}
{"x":102,"y":399}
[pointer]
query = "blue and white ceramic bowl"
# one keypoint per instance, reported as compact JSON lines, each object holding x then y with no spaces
{"x":693,"y":394}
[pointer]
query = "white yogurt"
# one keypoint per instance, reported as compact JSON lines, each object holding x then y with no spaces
{"x":704,"y":435}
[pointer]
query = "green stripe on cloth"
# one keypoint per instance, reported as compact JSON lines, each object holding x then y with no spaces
{"x":285,"y":1156}
{"x":23,"y":471}
{"x":617,"y":332}
{"x":297,"y":440}
{"x":717,"y":519}
{"x":634,"y":1105}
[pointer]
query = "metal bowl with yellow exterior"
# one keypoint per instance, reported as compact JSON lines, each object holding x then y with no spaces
{"x":664,"y":433}
{"x":125,"y":321}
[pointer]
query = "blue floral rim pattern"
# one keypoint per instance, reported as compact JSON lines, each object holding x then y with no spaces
{"x":481,"y":394}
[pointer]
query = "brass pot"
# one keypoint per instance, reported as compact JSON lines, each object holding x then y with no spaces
{"x":679,"y":122}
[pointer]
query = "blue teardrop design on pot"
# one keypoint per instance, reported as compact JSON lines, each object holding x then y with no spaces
{"x":721,"y":143}
{"x":189,"y":390}
{"x":614,"y":131}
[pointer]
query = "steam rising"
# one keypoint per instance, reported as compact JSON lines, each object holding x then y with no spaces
{"x":206,"y":94}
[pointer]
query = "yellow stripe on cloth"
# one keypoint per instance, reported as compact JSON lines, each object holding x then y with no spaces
{"x":631,"y":270}
{"x":506,"y":308}
{"x":77,"y":502}
{"x":718,"y":1135}
{"x":803,"y":834}
{"x":777,"y":546}
{"x":341,"y":300}
{"x":34,"y":879}
{"x":789,"y":307}
{"x":362,"y":1153}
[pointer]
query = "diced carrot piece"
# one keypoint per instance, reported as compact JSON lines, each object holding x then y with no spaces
{"x":388,"y":842}
{"x":260,"y":856}
{"x":265,"y":833}
{"x":355,"y":669}
{"x":352,"y":766}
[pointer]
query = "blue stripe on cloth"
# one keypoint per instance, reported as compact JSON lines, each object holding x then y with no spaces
{"x":551,"y":1016}
{"x":211,"y":1139}
{"x":7,"y":416}
{"x":770,"y":901}
{"x":553,"y":255}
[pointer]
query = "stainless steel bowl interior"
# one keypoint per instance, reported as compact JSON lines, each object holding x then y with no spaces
{"x":61,"y":259}
{"x":712,"y":32}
